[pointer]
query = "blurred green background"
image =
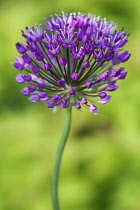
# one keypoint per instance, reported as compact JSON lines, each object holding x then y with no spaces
{"x":101,"y":164}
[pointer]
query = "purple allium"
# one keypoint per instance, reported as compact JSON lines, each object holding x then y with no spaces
{"x":63,"y":61}
{"x":34,"y":98}
{"x":42,"y":95}
{"x":19,"y":78}
{"x":50,"y":104}
{"x":88,"y":84}
{"x":77,"y":105}
{"x":39,"y":55}
{"x":19,"y":66}
{"x":61,"y":83}
{"x":86,"y":64}
{"x":35,"y":69}
{"x":56,"y":98}
{"x":124,"y":56}
{"x":47,"y":66}
{"x":27,"y":78}
{"x":74,"y":76}
{"x":71,"y":92}
{"x":31,"y":88}
{"x":41,"y":86}
{"x":83,"y":100}
{"x":25,"y":91}
{"x":26,"y":58}
{"x":93,"y":109}
{"x":71,"y":61}
{"x":21,"y":48}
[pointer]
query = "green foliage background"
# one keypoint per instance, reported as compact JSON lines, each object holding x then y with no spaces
{"x":101,"y":164}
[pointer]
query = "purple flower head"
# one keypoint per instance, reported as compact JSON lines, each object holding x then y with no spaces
{"x":47,"y":66}
{"x":83,"y":100}
{"x":104,"y":98}
{"x":74,"y":76}
{"x":18,"y":66}
{"x":56,"y":98}
{"x":39,"y":55}
{"x":31,"y":88}
{"x":123,"y":57}
{"x":21,"y":48}
{"x":102,"y":95}
{"x":34,"y":98}
{"x":104,"y":76}
{"x":88,"y":84}
{"x":86,"y":64}
{"x":26,"y":58}
{"x":109,"y":56}
{"x":42,"y":95}
{"x":93,"y":109}
{"x":63,"y":61}
{"x":63,"y":105}
{"x":111,"y":87}
{"x":50,"y":104}
{"x":34,"y":68}
{"x":61,"y":83}
{"x":77,"y":105}
{"x":32,"y":47}
{"x":71,"y":61}
{"x":27,"y":78}
{"x":25,"y":91}
{"x":41,"y":86}
{"x":19,"y":78}
{"x":64,"y":100}
{"x":71,"y":92}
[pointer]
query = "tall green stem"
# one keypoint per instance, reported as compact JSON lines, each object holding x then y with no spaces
{"x":60,"y":149}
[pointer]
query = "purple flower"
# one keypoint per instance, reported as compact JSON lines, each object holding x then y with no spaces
{"x":56,"y":98}
{"x":74,"y":76}
{"x":124,"y":56}
{"x":39,"y":55}
{"x":45,"y":100}
{"x":83,"y":100}
{"x":104,"y":99}
{"x":111,"y":87}
{"x":31,"y":88}
{"x":86,"y":64}
{"x":47,"y":66}
{"x":88,"y":84}
{"x":21,"y":48}
{"x":93,"y":109}
{"x":34,"y":68}
{"x":25,"y":91}
{"x":61,"y":83}
{"x":63,"y":61}
{"x":34,"y":98}
{"x":71,"y":92}
{"x":19,"y":78}
{"x":19,"y":66}
{"x":42,"y":95}
{"x":41,"y":86}
{"x":26,"y":58}
{"x":64,"y":100}
{"x":50,"y":104}
{"x":104,"y":76}
{"x":70,"y":61}
{"x":77,"y":105}
{"x":27,"y":78}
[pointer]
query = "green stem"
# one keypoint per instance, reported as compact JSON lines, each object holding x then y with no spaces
{"x":60,"y":149}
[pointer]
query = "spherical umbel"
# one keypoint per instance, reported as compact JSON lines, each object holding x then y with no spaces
{"x":71,"y":61}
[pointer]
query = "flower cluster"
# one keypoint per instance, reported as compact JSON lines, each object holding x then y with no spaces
{"x":71,"y":61}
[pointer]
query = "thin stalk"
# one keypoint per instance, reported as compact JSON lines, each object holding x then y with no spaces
{"x":60,"y":149}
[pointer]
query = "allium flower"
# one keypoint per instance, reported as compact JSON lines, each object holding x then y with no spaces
{"x":71,"y":61}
